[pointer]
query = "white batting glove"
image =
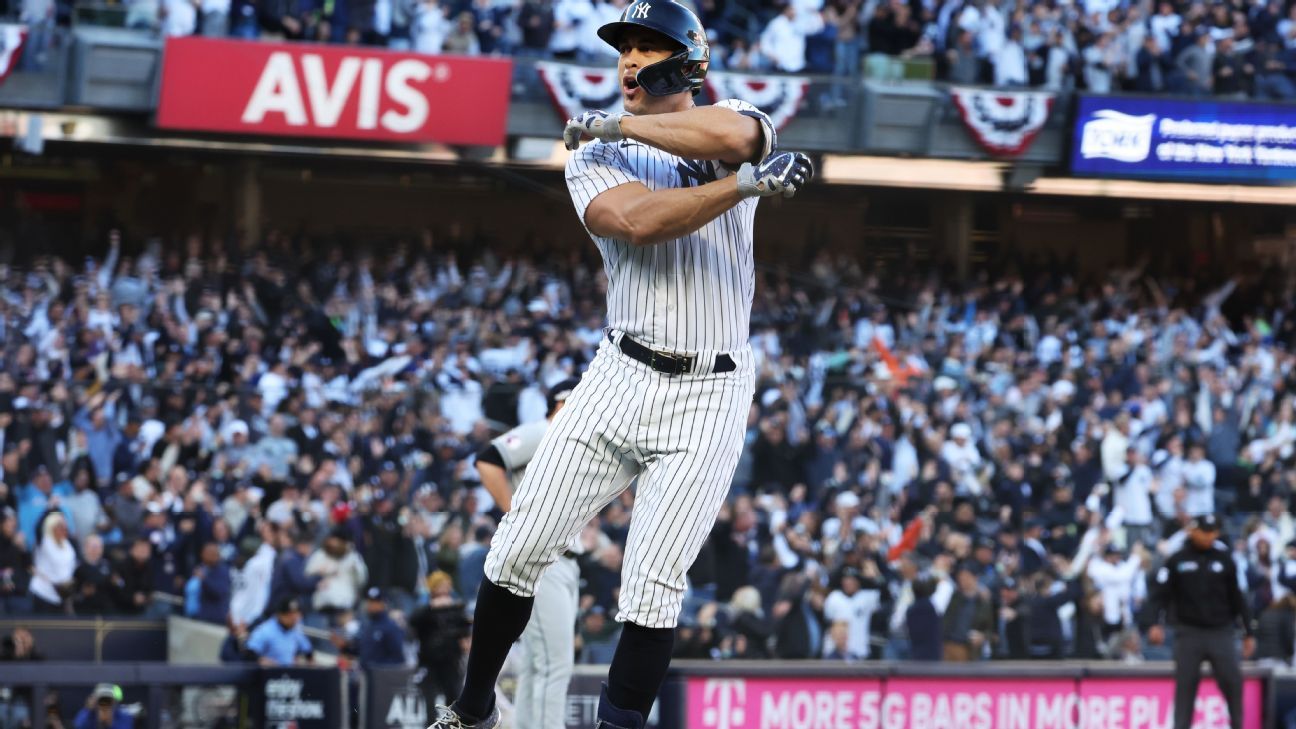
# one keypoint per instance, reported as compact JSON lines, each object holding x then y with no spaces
{"x":781,"y":173}
{"x":594,"y":124}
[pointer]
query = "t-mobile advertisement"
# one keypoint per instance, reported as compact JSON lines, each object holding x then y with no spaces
{"x":1143,"y":703}
{"x":953,"y":703}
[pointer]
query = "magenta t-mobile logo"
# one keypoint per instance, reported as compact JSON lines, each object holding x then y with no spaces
{"x":725,"y":700}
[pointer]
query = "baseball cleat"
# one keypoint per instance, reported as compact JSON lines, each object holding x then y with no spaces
{"x":446,"y":717}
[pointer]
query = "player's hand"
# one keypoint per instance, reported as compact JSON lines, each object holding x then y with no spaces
{"x":593,"y":124}
{"x":1248,"y":648}
{"x":1156,"y":635}
{"x":782,"y":173}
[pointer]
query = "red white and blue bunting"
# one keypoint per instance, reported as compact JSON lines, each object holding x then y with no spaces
{"x":1003,"y":122}
{"x":778,"y":96}
{"x":12,"y":38}
{"x":574,"y":89}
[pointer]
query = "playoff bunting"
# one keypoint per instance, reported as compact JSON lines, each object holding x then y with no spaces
{"x":574,"y":89}
{"x":1003,"y":122}
{"x":778,"y":96}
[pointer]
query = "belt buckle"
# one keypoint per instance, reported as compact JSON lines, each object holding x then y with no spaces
{"x":669,"y":364}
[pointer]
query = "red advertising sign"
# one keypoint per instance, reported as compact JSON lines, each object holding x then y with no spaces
{"x":344,"y":92}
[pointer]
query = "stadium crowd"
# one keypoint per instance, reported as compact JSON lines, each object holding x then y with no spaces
{"x":264,"y":437}
{"x":1226,"y":48}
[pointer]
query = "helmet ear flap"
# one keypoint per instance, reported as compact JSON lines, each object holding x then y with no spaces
{"x":695,"y":71}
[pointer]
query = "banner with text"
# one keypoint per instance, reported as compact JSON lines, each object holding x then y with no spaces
{"x":1204,"y":141}
{"x":952,"y":703}
{"x":300,"y":698}
{"x":1147,"y":703}
{"x":344,"y":92}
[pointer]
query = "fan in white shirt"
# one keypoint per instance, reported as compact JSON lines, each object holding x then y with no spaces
{"x":1134,"y":490}
{"x":180,"y":17}
{"x":783,"y":41}
{"x":853,"y":605}
{"x":570,"y":19}
{"x":55,"y":561}
{"x":1168,"y":466}
{"x":1199,"y":482}
{"x":1010,"y":62}
{"x":1114,"y":579}
{"x":430,"y":28}
{"x":592,"y":46}
{"x":964,"y":459}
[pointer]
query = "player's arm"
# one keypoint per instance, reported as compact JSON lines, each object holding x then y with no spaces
{"x":707,"y":132}
{"x":494,"y":477}
{"x":731,"y":131}
{"x":633,"y":213}
{"x":641,"y":217}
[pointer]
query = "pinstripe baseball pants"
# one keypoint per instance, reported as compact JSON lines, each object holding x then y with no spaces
{"x":680,"y":435}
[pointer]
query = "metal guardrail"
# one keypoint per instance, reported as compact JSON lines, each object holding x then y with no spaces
{"x":98,"y":639}
{"x":154,"y":678}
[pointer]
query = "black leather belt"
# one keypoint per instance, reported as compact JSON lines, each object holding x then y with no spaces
{"x":667,"y":363}
{"x":568,"y":554}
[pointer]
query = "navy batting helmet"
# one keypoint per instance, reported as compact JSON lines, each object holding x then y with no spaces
{"x":685,"y":69}
{"x":559,"y":392}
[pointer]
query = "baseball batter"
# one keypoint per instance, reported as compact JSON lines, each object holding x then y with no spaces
{"x":668,"y":192}
{"x":548,"y":643}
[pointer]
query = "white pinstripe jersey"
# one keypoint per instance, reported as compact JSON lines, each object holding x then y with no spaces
{"x":689,"y":294}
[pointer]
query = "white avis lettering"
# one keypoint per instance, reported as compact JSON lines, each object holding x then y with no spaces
{"x":307,"y":95}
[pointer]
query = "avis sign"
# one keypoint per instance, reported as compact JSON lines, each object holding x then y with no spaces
{"x":304,"y":90}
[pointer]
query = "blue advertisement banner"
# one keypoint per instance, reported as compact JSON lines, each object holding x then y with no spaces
{"x":1176,"y":139}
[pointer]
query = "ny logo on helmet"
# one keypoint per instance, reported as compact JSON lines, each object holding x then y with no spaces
{"x":640,"y":10}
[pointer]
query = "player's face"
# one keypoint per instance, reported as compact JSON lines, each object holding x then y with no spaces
{"x":640,"y":48}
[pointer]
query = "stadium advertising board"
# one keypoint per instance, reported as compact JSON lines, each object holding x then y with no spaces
{"x":342,"y":92}
{"x":300,"y":698}
{"x":1141,"y":703}
{"x":1203,"y":141}
{"x":952,"y":703}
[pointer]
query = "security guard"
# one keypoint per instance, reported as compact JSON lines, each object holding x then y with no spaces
{"x":1199,"y":587}
{"x":381,"y":641}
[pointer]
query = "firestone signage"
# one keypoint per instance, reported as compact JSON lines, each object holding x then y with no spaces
{"x":304,"y":90}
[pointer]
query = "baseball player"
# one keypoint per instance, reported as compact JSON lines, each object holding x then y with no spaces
{"x":668,"y":193}
{"x":548,"y":643}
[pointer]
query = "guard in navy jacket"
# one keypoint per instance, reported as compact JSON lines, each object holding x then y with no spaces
{"x":1198,"y":586}
{"x":381,"y":641}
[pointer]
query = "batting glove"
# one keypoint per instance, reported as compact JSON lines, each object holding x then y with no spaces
{"x":595,"y":124}
{"x":780,"y":173}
